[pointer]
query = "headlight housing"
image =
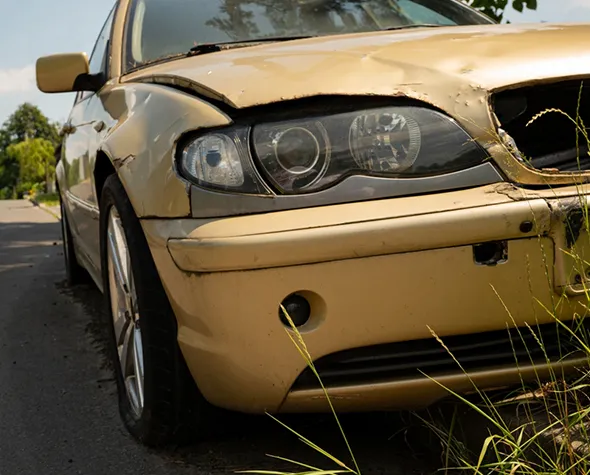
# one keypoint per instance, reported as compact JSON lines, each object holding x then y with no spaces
{"x":311,"y":154}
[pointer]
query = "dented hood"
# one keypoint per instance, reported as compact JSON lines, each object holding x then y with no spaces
{"x":453,"y":68}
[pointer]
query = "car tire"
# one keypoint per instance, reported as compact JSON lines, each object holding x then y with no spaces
{"x":167,"y":408}
{"x":75,"y":273}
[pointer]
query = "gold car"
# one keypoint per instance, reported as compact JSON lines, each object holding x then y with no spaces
{"x":367,"y":164}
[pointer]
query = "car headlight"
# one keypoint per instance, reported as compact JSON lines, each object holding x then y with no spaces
{"x":307,"y":155}
{"x":220,"y":160}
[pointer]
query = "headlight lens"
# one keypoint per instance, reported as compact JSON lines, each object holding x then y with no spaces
{"x":307,"y":155}
{"x":385,"y":142}
{"x":389,"y":142}
{"x":294,"y":156}
{"x":215,"y":159}
{"x":220,"y":161}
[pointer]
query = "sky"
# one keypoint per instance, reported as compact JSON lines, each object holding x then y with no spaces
{"x":33,"y":28}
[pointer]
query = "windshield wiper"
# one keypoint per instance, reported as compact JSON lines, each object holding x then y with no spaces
{"x":416,"y":25}
{"x":205,"y":48}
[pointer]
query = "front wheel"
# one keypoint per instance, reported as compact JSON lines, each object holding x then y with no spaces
{"x":158,"y":399}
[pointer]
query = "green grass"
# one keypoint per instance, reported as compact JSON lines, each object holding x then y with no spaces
{"x":541,"y":428}
{"x":48,"y":199}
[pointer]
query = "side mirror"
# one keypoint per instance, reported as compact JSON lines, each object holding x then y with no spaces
{"x":65,"y":73}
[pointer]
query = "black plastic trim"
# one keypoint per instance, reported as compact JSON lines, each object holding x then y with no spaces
{"x":412,"y":359}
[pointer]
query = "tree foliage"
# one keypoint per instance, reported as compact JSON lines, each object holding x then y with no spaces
{"x":26,"y":124}
{"x":496,"y":8}
{"x":36,"y":159}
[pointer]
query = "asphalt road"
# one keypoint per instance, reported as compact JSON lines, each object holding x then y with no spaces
{"x":58,"y":409}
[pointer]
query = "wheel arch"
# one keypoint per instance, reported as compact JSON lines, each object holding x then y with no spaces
{"x":146,"y":121}
{"x":103,"y":168}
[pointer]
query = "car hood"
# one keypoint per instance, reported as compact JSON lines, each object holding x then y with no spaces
{"x":452,"y":68}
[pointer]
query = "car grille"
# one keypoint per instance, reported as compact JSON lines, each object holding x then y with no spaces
{"x":406,"y":360}
{"x":549,"y":142}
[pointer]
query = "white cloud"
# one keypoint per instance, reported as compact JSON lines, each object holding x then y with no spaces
{"x":17,"y":80}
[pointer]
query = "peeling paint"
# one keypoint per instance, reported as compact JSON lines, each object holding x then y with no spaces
{"x":507,"y":189}
{"x":118,"y":163}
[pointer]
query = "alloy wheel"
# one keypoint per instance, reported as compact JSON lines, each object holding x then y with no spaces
{"x":125,"y":313}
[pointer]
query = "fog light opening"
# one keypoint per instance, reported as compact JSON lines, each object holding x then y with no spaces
{"x":298,"y":308}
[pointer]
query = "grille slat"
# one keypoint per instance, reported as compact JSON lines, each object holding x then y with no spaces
{"x":403,"y":360}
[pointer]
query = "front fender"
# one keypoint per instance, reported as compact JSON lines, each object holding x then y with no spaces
{"x":147,"y":121}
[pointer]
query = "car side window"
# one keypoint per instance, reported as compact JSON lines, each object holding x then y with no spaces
{"x":98,"y":62}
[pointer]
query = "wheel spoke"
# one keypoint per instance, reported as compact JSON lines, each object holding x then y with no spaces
{"x":125,"y":258}
{"x":118,"y":300}
{"x":121,"y":325}
{"x":126,"y":351}
{"x":138,"y":363}
{"x":119,"y":252}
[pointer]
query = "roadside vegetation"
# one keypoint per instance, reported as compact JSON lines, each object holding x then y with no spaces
{"x":537,"y":429}
{"x":27,"y":153}
{"x":48,"y":199}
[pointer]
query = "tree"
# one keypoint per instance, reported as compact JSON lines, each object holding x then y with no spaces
{"x":496,"y":8}
{"x":27,"y":122}
{"x":36,"y":160}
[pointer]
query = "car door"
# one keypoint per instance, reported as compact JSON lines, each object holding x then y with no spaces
{"x":80,"y":153}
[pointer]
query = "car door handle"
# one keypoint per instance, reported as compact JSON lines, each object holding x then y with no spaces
{"x":99,"y":126}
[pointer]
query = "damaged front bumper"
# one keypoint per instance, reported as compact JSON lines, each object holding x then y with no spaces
{"x":375,"y":273}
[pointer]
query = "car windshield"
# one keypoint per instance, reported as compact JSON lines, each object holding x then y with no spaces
{"x":158,"y":29}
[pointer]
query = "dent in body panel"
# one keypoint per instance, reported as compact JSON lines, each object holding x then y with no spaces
{"x":570,"y":231}
{"x":454,"y":69}
{"x":146,"y":122}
